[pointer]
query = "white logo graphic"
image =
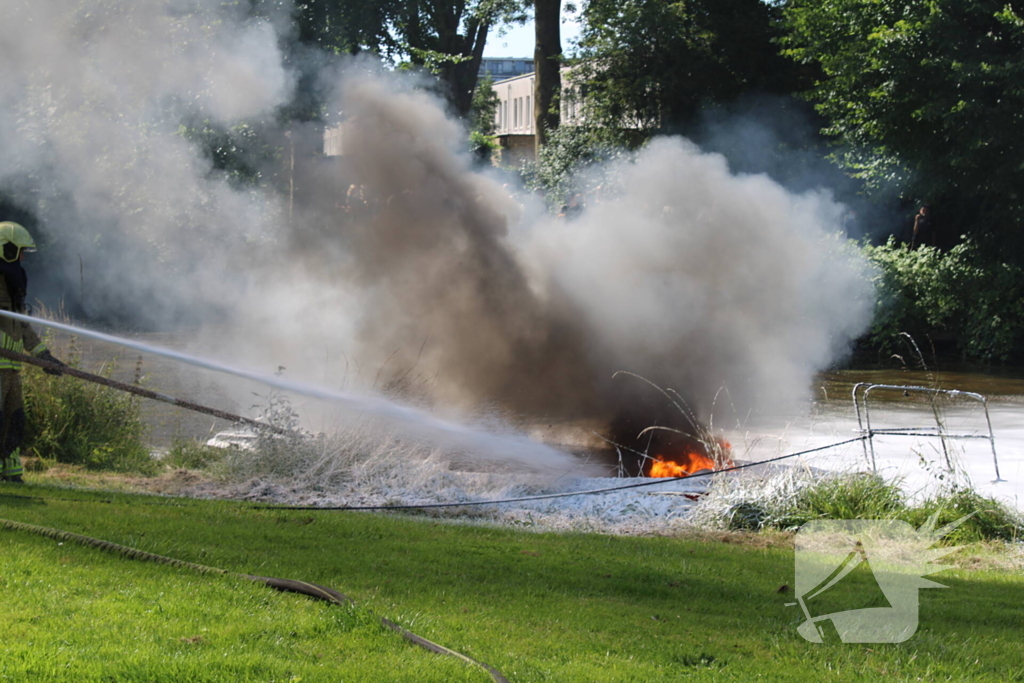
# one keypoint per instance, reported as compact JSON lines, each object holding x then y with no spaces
{"x":882,"y":561}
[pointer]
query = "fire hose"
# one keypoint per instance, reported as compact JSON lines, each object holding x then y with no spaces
{"x":288,"y":585}
{"x":139,"y":391}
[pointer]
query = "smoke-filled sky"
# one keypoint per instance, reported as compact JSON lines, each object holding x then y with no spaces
{"x":401,"y":265}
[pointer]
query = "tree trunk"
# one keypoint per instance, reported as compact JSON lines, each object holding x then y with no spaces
{"x":457,"y":78}
{"x":547,"y":85}
{"x":463,"y":79}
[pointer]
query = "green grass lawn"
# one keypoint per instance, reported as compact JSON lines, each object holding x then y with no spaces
{"x":538,"y":607}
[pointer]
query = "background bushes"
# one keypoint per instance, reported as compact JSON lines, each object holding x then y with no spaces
{"x":975,"y":301}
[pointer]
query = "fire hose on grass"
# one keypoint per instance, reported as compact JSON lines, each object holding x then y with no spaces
{"x":331,"y":595}
{"x":288,"y":585}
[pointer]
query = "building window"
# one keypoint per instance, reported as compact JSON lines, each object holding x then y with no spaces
{"x":528,"y":114}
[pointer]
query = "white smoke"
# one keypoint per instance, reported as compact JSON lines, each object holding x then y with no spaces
{"x":92,"y":108}
{"x":705,"y":280}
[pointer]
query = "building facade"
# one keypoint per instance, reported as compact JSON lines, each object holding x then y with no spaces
{"x":334,"y":141}
{"x":513,"y":121}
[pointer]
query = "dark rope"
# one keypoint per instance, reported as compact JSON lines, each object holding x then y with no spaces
{"x":289,"y":585}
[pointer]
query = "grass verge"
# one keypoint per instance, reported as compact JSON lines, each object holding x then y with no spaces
{"x":539,"y":607}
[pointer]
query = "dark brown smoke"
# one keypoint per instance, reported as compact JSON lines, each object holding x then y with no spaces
{"x":431,"y":251}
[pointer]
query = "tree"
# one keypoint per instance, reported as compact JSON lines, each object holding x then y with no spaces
{"x":482,"y":143}
{"x":445,"y":37}
{"x":577,"y":159}
{"x":547,"y":65}
{"x":485,"y":107}
{"x":348,"y":26}
{"x":654,"y":64}
{"x":448,"y":37}
{"x":926,"y":97}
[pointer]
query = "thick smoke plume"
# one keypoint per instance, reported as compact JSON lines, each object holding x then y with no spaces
{"x":441,"y":275}
{"x":399,"y":266}
{"x":684,"y":273}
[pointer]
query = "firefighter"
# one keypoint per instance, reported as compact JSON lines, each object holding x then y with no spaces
{"x":15,"y":335}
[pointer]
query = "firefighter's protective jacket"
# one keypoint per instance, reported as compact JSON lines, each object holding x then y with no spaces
{"x":16,"y":335}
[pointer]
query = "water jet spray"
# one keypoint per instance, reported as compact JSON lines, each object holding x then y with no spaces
{"x":424,"y":424}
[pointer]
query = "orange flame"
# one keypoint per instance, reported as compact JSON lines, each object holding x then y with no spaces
{"x":691,"y":462}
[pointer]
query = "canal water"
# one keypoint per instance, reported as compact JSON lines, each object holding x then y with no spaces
{"x":912,"y":451}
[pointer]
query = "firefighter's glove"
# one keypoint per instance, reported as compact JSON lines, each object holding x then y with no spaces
{"x":48,"y":357}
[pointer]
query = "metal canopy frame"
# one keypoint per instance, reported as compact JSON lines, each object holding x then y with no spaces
{"x":862,"y":392}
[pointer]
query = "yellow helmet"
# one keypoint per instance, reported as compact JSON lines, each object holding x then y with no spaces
{"x":14,"y":234}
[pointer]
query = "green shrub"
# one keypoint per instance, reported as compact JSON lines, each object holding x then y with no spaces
{"x":992,"y":519}
{"x":868,"y":496}
{"x":852,"y":496}
{"x":483,"y":147}
{"x":977,"y":301}
{"x":746,"y":517}
{"x":77,"y":422}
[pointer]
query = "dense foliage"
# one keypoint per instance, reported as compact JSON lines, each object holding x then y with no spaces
{"x":344,"y":26}
{"x":923,"y":101}
{"x":485,"y":107}
{"x":444,"y":37}
{"x":961,"y":294}
{"x":926,"y":96}
{"x":868,"y":496}
{"x":575,"y":161}
{"x":654,"y":64}
{"x":483,"y":145}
